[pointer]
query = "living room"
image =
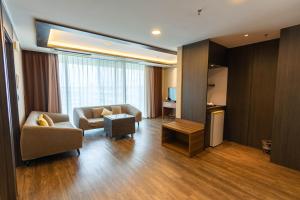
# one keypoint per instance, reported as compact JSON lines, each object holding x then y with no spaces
{"x":150,"y":99}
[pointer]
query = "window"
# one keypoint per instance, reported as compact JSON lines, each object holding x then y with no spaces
{"x":88,"y":81}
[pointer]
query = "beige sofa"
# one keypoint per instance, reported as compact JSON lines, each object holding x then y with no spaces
{"x":38,"y":141}
{"x":84,"y":119}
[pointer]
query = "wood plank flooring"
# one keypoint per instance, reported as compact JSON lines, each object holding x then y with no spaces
{"x":143,"y":169}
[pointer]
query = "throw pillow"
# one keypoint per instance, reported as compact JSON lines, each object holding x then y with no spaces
{"x":106,"y":112}
{"x":48,"y":119}
{"x":42,"y":122}
{"x":116,"y":110}
{"x":97,"y":112}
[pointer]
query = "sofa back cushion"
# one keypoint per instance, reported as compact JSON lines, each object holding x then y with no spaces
{"x":97,"y":112}
{"x":88,"y":113}
{"x":124,"y":108}
{"x":116,"y":110}
{"x":48,"y":119}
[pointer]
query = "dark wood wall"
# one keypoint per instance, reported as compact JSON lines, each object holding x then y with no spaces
{"x":286,"y":128}
{"x":196,"y":59}
{"x":251,"y":89}
{"x":8,"y":35}
{"x":7,"y":165}
{"x":217,"y":55}
{"x":194,"y":81}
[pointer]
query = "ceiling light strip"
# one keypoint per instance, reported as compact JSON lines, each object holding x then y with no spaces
{"x":53,"y":44}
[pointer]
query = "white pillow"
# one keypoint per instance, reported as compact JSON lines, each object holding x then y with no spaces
{"x":106,"y":112}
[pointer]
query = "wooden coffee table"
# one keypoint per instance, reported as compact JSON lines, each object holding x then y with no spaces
{"x":119,"y":125}
{"x":183,"y":136}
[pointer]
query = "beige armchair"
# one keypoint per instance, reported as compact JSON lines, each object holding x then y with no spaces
{"x":83,"y":117}
{"x":38,"y":141}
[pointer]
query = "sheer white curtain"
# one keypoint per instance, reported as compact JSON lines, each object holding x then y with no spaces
{"x":135,"y":86}
{"x":88,"y":81}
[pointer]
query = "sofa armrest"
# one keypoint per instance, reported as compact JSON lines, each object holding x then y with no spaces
{"x":79,"y":119}
{"x":135,"y":112}
{"x":58,"y":117}
{"x":40,"y":141}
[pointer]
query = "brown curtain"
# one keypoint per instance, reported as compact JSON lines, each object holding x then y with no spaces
{"x":154,"y":96}
{"x":41,"y":82}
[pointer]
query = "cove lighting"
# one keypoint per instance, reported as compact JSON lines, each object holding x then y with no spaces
{"x":65,"y":45}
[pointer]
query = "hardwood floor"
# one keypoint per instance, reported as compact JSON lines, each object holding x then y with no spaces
{"x":143,"y":169}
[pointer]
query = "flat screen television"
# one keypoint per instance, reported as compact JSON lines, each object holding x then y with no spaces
{"x":172,"y":94}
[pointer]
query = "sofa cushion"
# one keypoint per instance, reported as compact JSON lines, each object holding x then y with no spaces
{"x":116,"y":110}
{"x":97,"y":112}
{"x":64,"y":125}
{"x":41,"y":121}
{"x":96,"y":122}
{"x":106,"y":112}
{"x":49,"y":120}
{"x":88,"y":112}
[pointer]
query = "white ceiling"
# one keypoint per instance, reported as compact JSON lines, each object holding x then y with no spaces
{"x":224,"y":20}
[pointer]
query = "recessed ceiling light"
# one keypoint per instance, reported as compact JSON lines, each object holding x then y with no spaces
{"x":156,"y":32}
{"x":246,"y":35}
{"x":238,"y":1}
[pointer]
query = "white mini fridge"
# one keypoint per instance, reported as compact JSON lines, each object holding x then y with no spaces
{"x":216,"y":128}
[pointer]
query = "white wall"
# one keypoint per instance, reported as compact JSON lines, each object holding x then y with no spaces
{"x":20,"y":82}
{"x":218,"y":93}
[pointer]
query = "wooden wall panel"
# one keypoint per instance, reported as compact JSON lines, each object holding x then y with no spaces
{"x":7,"y":166}
{"x":286,"y":126}
{"x":262,"y":92}
{"x":251,"y":90}
{"x":7,"y":26}
{"x":238,"y":94}
{"x":194,"y":81}
{"x":13,"y":100}
{"x":217,"y":54}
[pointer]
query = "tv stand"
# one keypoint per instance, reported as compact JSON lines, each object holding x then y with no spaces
{"x":169,"y":109}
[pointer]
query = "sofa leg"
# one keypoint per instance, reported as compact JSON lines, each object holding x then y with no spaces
{"x":78,"y":152}
{"x":138,"y":124}
{"x":27,"y":163}
{"x":82,"y":132}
